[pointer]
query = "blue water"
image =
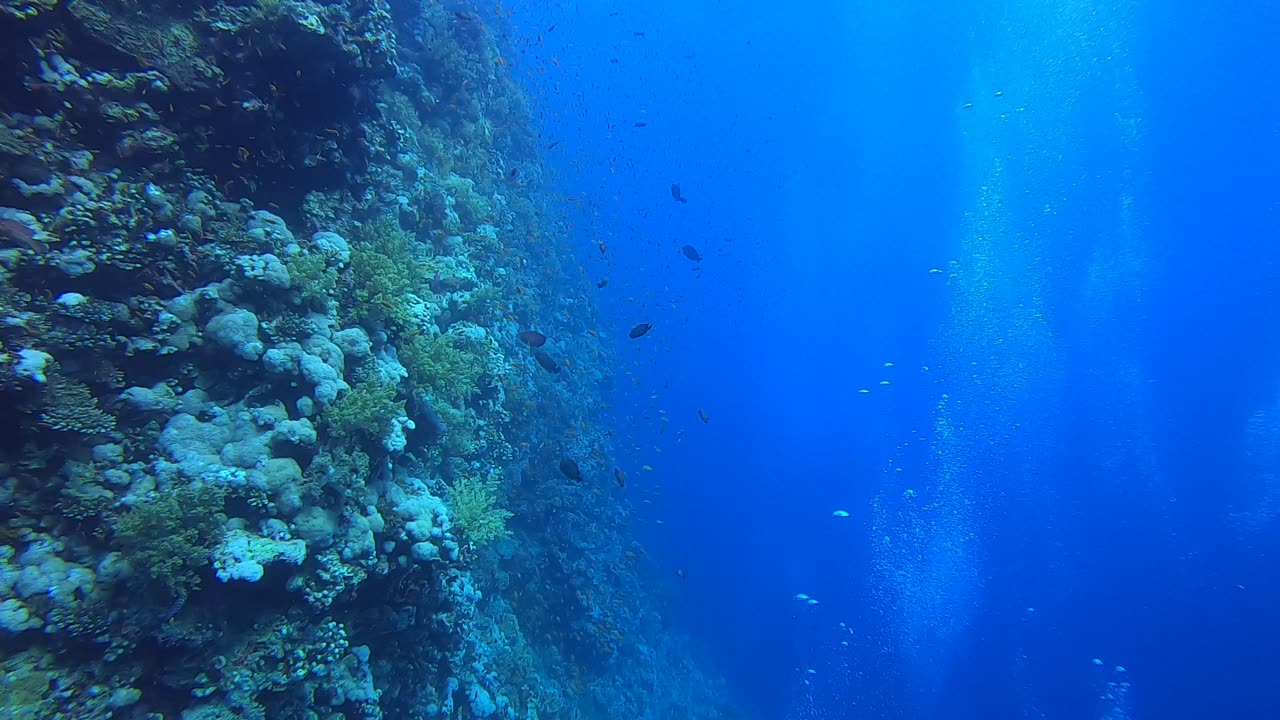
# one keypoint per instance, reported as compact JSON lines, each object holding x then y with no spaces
{"x":555,"y":360}
{"x":1104,"y":222}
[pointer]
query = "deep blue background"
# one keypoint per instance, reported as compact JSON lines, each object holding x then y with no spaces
{"x":828,"y":163}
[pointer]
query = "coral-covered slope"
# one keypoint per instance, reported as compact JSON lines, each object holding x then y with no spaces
{"x":272,"y":446}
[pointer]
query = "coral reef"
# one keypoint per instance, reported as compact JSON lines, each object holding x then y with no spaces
{"x":273,"y":449}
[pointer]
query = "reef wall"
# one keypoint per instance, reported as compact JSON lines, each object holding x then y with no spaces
{"x":272,"y":447}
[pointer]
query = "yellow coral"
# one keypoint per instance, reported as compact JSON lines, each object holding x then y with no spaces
{"x":472,"y":501}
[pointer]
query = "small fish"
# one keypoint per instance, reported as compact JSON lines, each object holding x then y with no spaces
{"x":677,"y":194}
{"x":642,"y":124}
{"x":692,"y":253}
{"x":682,"y":575}
{"x":801,"y":596}
{"x":638,"y":33}
{"x":840,"y":513}
{"x":602,"y":283}
{"x":532,"y":338}
{"x":703,"y":414}
{"x":811,"y":601}
{"x":569,"y":468}
{"x":640,"y":330}
{"x":620,"y":477}
{"x":604,"y":247}
{"x":515,"y":172}
{"x":966,"y":106}
{"x":647,"y":468}
{"x":546,"y":362}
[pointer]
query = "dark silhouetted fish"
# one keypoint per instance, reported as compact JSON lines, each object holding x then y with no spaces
{"x":546,"y":362}
{"x":428,"y":424}
{"x":640,"y":330}
{"x":692,"y":253}
{"x":603,"y":282}
{"x":569,"y":469}
{"x":16,"y":234}
{"x":642,"y":124}
{"x":620,"y":477}
{"x":703,"y":414}
{"x":604,"y":247}
{"x":677,"y":194}
{"x":532,"y":338}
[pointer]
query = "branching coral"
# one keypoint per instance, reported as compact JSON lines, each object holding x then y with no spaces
{"x":315,"y":281}
{"x":473,"y":501}
{"x":367,"y":410}
{"x":383,"y":272}
{"x":167,"y":541}
{"x":71,"y":407}
{"x":441,"y":364}
{"x":156,"y":41}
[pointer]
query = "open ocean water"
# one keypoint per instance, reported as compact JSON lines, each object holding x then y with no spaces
{"x":592,"y":360}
